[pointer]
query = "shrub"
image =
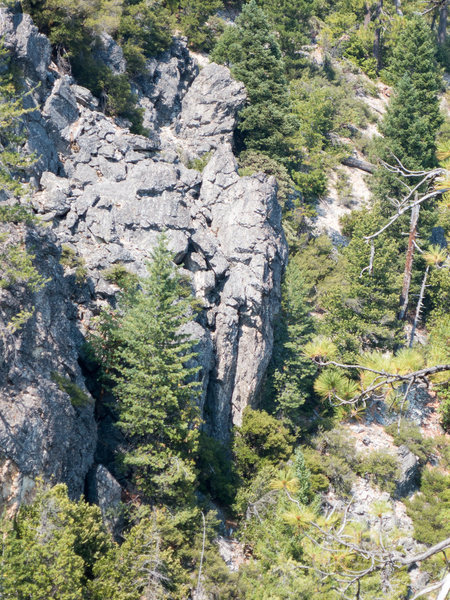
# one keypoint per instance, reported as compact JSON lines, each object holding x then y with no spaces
{"x":77,"y":397}
{"x":122,"y":277}
{"x":216,"y":473}
{"x":261,"y":440}
{"x":429,"y":509}
{"x":70,"y":260}
{"x":411,"y":436}
{"x":382,"y":468}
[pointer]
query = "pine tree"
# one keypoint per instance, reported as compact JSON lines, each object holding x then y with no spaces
{"x":361,"y":306}
{"x":149,"y":362}
{"x":254,"y":56}
{"x":290,"y":379}
{"x":290,"y":19}
{"x":413,"y":117}
{"x":50,"y":549}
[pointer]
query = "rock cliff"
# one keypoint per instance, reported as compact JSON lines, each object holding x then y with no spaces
{"x":104,"y":195}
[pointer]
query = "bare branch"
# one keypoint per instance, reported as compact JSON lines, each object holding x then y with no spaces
{"x":405,"y":209}
{"x":439,"y":547}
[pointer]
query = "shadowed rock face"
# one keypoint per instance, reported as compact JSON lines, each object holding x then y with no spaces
{"x":107,"y":194}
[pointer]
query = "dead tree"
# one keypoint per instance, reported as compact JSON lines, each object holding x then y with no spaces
{"x":377,"y":46}
{"x":409,"y":261}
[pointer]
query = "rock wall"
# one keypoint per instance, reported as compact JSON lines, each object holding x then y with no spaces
{"x":107,"y":194}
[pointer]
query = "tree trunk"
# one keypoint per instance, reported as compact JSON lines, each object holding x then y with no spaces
{"x":398,"y":9}
{"x":445,"y":589}
{"x":367,"y":15}
{"x":377,"y":48}
{"x":419,"y":306}
{"x":409,"y":262}
{"x":442,"y":28}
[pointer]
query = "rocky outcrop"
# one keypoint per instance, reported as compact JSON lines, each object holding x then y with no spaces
{"x":209,"y":111}
{"x":47,"y":422}
{"x":106,"y":195}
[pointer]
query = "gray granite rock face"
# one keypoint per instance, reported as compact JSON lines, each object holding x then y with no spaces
{"x":43,"y":431}
{"x":409,"y":479}
{"x":108,"y":194}
{"x":103,"y":489}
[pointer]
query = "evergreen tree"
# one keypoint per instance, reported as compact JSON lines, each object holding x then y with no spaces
{"x":254,"y":56}
{"x":50,"y":549}
{"x":290,"y":19}
{"x":361,"y":307}
{"x":143,"y":31}
{"x":194,"y":16}
{"x":149,"y":361}
{"x":413,"y":117}
{"x":290,"y":379}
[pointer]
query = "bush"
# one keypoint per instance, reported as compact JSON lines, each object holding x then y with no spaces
{"x":77,"y":397}
{"x":411,"y":436}
{"x":328,"y":470}
{"x":382,"y":468}
{"x":261,"y":440}
{"x":429,"y":509}
{"x":144,"y":31}
{"x":70,"y":260}
{"x":122,"y":277}
{"x":216,"y":473}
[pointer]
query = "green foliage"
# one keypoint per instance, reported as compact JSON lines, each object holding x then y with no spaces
{"x":50,"y":549}
{"x":303,"y":475}
{"x":337,"y":461}
{"x":144,"y":30}
{"x":77,"y":397}
{"x":216,"y":470}
{"x":253,"y":53}
{"x":194,"y":18}
{"x":70,"y":260}
{"x":290,"y":20}
{"x":382,"y":468}
{"x":19,"y":320}
{"x":411,"y":436}
{"x":251,"y":162}
{"x":413,"y":118}
{"x":291,"y":373}
{"x":326,"y":111}
{"x":316,"y":260}
{"x":200,"y":163}
{"x":17,"y":213}
{"x":430,"y":508}
{"x":359,"y":49}
{"x":73,"y":27}
{"x":14,"y":162}
{"x":261,"y":441}
{"x":122,"y":277}
{"x":438,"y":353}
{"x":361,"y":307}
{"x":17,"y":268}
{"x":149,"y":360}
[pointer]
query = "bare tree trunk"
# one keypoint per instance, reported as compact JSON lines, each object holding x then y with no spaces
{"x":419,"y":306}
{"x":398,"y":9}
{"x":367,"y":15}
{"x":409,"y":262}
{"x":445,"y":589}
{"x":377,"y":49}
{"x":442,"y":28}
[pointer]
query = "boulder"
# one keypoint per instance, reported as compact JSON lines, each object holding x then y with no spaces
{"x":409,"y":479}
{"x":103,"y":489}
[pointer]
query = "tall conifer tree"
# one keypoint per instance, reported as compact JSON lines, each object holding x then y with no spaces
{"x":147,"y":357}
{"x":253,"y":53}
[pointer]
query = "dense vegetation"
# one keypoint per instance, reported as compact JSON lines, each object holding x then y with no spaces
{"x":344,"y":337}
